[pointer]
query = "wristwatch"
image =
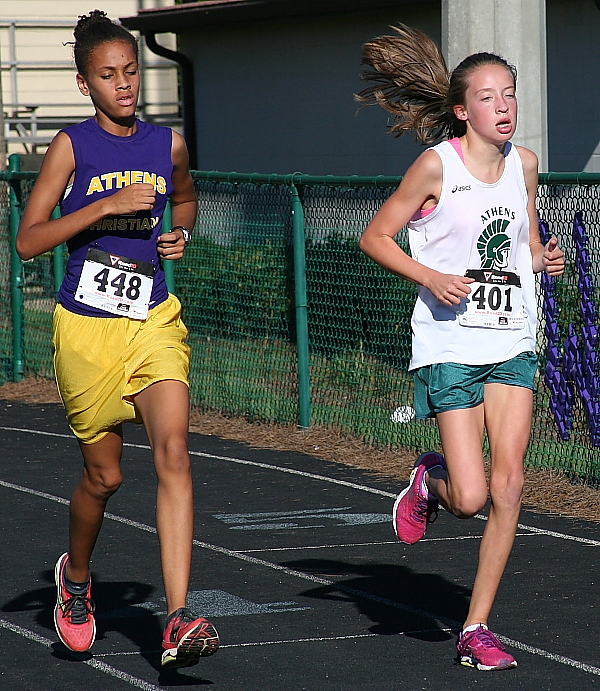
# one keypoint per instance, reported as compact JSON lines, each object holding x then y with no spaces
{"x":187,"y":235}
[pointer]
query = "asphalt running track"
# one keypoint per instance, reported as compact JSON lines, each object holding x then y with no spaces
{"x":297,"y":565}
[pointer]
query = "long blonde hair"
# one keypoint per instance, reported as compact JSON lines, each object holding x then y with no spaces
{"x":410,"y":79}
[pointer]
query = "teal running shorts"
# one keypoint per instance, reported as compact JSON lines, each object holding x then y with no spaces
{"x":451,"y":386}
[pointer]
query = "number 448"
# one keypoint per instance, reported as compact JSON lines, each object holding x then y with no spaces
{"x":130,"y":288}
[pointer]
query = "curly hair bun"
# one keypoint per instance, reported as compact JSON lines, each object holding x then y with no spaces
{"x":88,"y":22}
{"x":91,"y":31}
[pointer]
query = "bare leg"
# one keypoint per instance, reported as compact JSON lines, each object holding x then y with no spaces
{"x":463,"y":489}
{"x":508,"y":411}
{"x":164,"y":407}
{"x":101,"y":479}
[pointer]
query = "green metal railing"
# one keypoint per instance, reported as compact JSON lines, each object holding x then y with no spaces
{"x":16,"y":278}
{"x":290,"y":323}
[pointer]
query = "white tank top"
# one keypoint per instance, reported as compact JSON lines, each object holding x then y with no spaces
{"x":484,"y":228}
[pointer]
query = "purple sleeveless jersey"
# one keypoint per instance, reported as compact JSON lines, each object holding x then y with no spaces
{"x":104,"y":163}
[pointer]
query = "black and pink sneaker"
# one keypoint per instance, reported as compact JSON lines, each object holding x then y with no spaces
{"x":74,"y":613}
{"x":187,"y":638}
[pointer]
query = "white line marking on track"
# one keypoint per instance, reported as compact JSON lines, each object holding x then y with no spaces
{"x":323,"y":478}
{"x":331,"y":638}
{"x":292,"y":549}
{"x":92,"y":662}
{"x":299,"y":640}
{"x":366,"y":544}
{"x":551,"y":656}
{"x":552,"y":533}
{"x":509,"y":641}
{"x":44,"y":433}
{"x":35,"y":492}
{"x":455,"y":625}
{"x":241,"y":461}
{"x":289,"y":640}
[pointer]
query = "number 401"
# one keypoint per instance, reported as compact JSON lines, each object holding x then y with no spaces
{"x":493,"y":298}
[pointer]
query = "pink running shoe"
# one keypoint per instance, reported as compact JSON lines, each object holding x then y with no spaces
{"x":413,"y":508}
{"x":73,"y":614}
{"x":187,"y":638}
{"x":481,"y":649}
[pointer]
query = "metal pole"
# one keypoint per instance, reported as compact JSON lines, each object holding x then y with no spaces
{"x":16,"y":270}
{"x":188,"y":94}
{"x":2,"y":132}
{"x":168,"y":264}
{"x":58,"y":259}
{"x":301,"y":308}
{"x":12,"y":33}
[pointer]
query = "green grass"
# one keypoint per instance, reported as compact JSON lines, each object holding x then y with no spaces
{"x":244,"y":377}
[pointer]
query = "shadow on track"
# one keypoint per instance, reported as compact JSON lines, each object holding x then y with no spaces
{"x":417,"y":595}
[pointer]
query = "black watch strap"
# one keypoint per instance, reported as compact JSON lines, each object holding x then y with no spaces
{"x":187,"y":235}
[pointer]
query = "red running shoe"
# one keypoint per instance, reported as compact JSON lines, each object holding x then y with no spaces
{"x":187,"y":638}
{"x":481,"y":649}
{"x":413,"y":509}
{"x":73,"y":614}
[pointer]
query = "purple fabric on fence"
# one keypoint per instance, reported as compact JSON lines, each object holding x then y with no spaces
{"x":544,"y":230}
{"x":574,"y":371}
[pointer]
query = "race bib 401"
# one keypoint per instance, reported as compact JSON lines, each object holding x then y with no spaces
{"x":116,"y":284}
{"x":495,"y":300}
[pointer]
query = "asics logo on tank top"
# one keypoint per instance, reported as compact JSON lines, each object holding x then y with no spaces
{"x":461,"y":188}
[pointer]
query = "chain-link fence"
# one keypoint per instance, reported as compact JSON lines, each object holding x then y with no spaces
{"x":291,"y":323}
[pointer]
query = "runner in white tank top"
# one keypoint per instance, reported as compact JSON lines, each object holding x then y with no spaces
{"x":475,"y":246}
{"x":475,"y":225}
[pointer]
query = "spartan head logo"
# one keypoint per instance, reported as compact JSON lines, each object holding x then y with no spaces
{"x":493,"y":245}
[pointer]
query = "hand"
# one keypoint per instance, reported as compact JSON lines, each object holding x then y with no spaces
{"x":449,"y":289}
{"x":138,"y":197}
{"x":171,"y":245}
{"x":553,"y":259}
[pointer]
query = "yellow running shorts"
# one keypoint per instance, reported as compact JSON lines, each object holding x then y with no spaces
{"x":101,"y":363}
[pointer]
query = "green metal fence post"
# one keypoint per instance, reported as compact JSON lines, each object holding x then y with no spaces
{"x":58,"y":259}
{"x":301,"y":308}
{"x":168,"y":265}
{"x":16,"y":269}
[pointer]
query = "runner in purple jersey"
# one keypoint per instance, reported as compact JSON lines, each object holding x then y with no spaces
{"x":120,"y":350}
{"x":99,"y":160}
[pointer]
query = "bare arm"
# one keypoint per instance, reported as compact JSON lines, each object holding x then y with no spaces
{"x":422,"y":182}
{"x":183,"y":200}
{"x":38,"y":234}
{"x":549,"y":258}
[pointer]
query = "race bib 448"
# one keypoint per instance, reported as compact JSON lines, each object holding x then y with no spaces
{"x":116,"y":284}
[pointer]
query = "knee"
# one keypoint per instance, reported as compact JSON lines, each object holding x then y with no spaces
{"x":172,"y":458}
{"x":470,"y":502}
{"x":104,"y":484}
{"x":507,"y":490}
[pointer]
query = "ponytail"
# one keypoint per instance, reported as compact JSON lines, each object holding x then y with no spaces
{"x":411,"y":81}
